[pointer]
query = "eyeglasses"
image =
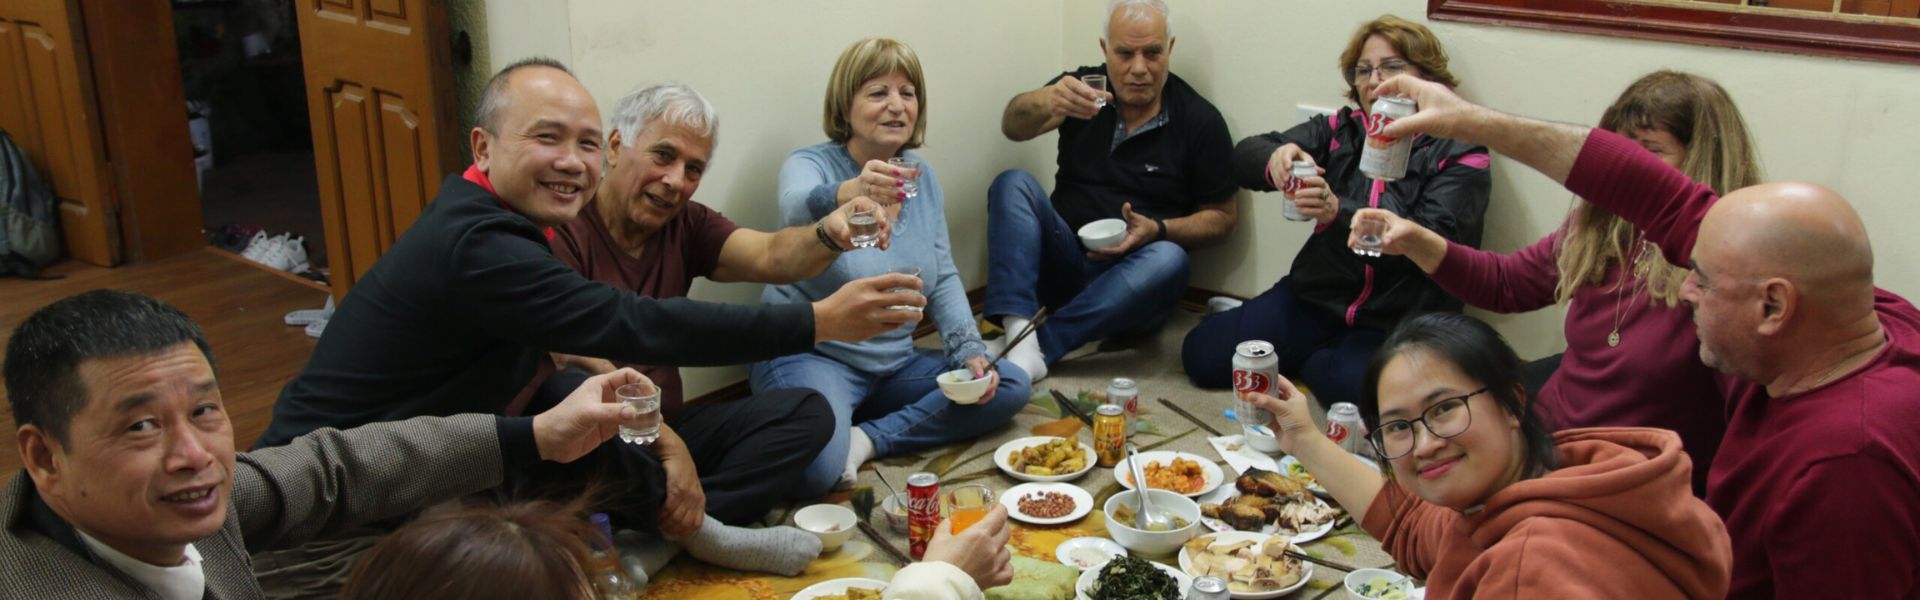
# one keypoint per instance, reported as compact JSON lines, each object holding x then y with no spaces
{"x":1446,"y":419}
{"x":1387,"y":70}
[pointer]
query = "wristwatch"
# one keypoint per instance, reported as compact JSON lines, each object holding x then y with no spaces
{"x":1163,"y":230}
{"x":820,"y":231}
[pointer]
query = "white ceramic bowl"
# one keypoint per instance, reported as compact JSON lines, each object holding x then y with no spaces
{"x":962,"y":387}
{"x":1360,"y":576}
{"x":832,"y":522}
{"x":894,"y":509}
{"x":1103,"y":234}
{"x":1005,"y":452}
{"x":839,"y":586}
{"x":1153,"y":543}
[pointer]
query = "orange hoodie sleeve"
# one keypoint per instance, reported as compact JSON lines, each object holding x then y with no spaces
{"x":1409,"y":529}
{"x":1545,"y":557}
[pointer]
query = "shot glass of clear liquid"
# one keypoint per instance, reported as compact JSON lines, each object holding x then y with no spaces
{"x":865,"y":227}
{"x":1368,"y":232}
{"x":906,"y":270}
{"x":645,"y":399}
{"x":1099,"y":84}
{"x":909,"y":176}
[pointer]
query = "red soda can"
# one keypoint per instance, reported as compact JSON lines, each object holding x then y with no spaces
{"x":1345,"y":428}
{"x":1256,"y":369}
{"x":1301,"y":170}
{"x":923,"y":511}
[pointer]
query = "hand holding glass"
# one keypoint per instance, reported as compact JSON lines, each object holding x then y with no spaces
{"x":1099,"y":84}
{"x":864,"y":224}
{"x":906,"y":270}
{"x":967,"y":504}
{"x":1367,"y":236}
{"x":645,"y":400}
{"x":909,"y":175}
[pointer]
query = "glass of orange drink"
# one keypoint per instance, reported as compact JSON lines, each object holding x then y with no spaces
{"x":967,"y":504}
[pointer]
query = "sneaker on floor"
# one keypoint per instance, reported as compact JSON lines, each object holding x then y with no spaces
{"x":296,"y":250}
{"x":1220,"y":304}
{"x":273,"y":253}
{"x":256,"y":249}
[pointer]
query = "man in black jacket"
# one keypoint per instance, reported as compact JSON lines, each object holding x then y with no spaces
{"x":455,"y":315}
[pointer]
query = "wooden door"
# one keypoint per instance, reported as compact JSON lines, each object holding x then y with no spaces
{"x":380,"y":89}
{"x":47,"y":104}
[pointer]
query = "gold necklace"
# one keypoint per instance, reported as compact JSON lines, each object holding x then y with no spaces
{"x":1631,"y":279}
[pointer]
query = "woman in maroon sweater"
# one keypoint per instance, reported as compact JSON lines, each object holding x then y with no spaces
{"x":1632,"y":355}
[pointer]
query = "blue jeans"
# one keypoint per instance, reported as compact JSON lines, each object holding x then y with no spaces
{"x":1035,"y":259}
{"x":901,"y":412}
{"x":1314,"y":347}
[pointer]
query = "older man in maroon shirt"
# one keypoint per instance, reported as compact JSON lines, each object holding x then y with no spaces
{"x":1818,"y":477}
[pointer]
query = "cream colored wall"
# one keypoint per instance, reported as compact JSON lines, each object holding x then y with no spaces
{"x":1851,"y":125}
{"x":765,"y":66}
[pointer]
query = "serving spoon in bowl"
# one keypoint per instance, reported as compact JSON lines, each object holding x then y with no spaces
{"x":1144,"y":519}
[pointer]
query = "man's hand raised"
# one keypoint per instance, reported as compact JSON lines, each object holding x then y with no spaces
{"x":587,"y":417}
{"x":864,"y":308}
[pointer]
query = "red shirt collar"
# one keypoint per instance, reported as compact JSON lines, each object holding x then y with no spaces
{"x":479,"y":178}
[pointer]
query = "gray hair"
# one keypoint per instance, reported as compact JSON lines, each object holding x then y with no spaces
{"x":675,"y":102}
{"x":1138,"y":9}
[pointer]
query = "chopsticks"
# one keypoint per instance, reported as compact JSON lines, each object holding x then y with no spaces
{"x":1183,"y":412}
{"x":1067,"y":407}
{"x":1319,"y":561}
{"x":887,"y":546}
{"x":1033,"y":323}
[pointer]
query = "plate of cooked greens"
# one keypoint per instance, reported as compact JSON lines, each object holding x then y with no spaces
{"x":1130,"y":578}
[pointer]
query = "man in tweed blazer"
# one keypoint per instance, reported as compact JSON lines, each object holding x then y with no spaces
{"x":130,"y":463}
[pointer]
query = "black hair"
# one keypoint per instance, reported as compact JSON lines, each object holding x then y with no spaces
{"x":494,"y":99}
{"x":1481,"y":354}
{"x":44,"y":356}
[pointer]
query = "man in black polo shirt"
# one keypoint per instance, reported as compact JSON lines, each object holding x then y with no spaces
{"x":1151,"y":152}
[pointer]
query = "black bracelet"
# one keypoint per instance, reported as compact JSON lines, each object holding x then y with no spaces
{"x":820,"y":231}
{"x":1163,"y":230}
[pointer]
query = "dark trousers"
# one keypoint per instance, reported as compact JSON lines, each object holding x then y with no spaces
{"x":1314,"y":348}
{"x":750,"y":454}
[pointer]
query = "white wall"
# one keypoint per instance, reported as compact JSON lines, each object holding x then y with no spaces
{"x":1854,"y":126}
{"x":1851,"y":125}
{"x":765,"y":66}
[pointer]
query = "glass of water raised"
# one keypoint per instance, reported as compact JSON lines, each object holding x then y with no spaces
{"x":645,"y":399}
{"x":1367,"y":238}
{"x":909,"y":175}
{"x":1099,"y":84}
{"x":906,"y":270}
{"x":864,"y":224}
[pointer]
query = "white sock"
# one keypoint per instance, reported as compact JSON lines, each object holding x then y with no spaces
{"x":859,"y":450}
{"x":779,"y":550}
{"x":1027,"y":355}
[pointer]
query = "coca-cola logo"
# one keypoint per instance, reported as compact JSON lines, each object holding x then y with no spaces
{"x":1246,"y":382}
{"x":1336,"y":432}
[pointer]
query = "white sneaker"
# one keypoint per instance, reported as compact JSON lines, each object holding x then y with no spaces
{"x":256,"y":249}
{"x":273,"y":253}
{"x":296,"y":250}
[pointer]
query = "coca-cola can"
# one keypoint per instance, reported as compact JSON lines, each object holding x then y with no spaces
{"x":1256,"y":369}
{"x":1345,"y":428}
{"x":1385,"y":158}
{"x":1126,"y":393}
{"x":1301,"y":170}
{"x":923,"y":511}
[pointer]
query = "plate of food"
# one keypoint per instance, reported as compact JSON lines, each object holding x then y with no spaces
{"x":1255,"y":565}
{"x":1186,"y":474}
{"x":1291,"y":467}
{"x":1127,"y":578}
{"x":1044,"y":459}
{"x":845,"y":588}
{"x":1047,"y":503}
{"x":1262,"y":501}
{"x":1088,"y":552}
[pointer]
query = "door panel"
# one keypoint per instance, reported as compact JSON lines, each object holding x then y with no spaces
{"x":379,"y":77}
{"x":49,"y":109}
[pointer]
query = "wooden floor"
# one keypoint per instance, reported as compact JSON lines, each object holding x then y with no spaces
{"x":239,"y":305}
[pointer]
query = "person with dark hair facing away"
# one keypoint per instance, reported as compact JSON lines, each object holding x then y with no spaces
{"x":1632,"y":358}
{"x":1334,"y":306}
{"x":1821,"y":365}
{"x":131,"y":487}
{"x":1480,"y":500}
{"x":457,"y":315}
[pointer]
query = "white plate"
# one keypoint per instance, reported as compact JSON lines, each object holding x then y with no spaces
{"x":1064,"y":552}
{"x":1306,"y":568}
{"x":1214,"y":476}
{"x":838,"y":586}
{"x":1225,"y":493}
{"x":1006,"y":451}
{"x":1289,"y":464}
{"x":1088,"y":576}
{"x":1082,"y":502}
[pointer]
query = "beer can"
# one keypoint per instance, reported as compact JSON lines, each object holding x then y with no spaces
{"x":1301,"y":170}
{"x":923,"y":511}
{"x":1126,"y":393}
{"x":1110,"y":434}
{"x":1255,"y":370}
{"x":1385,"y":158}
{"x":1208,"y":588}
{"x":1345,"y":428}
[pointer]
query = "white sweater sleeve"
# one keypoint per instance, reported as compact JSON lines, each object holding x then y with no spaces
{"x":933,"y":580}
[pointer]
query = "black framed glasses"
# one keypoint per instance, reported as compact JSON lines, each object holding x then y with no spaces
{"x":1387,"y":70}
{"x":1446,"y":419}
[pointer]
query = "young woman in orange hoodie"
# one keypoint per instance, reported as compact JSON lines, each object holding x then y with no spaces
{"x":1482,"y":502}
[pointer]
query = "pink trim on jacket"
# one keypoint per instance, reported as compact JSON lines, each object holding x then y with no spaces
{"x":1366,"y":289}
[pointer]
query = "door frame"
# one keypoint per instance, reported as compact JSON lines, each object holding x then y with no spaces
{"x":141,"y":104}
